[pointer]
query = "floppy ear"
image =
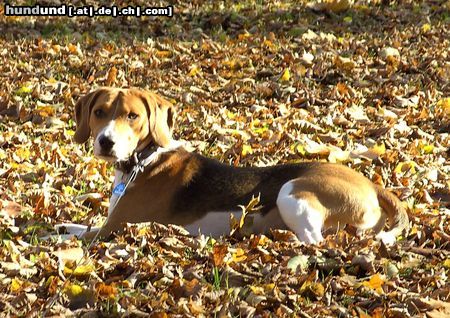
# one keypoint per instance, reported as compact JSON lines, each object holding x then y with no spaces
{"x":82,"y":114}
{"x":161,"y":118}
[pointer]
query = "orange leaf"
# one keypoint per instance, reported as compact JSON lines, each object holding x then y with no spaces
{"x":375,"y":282}
{"x":106,"y":291}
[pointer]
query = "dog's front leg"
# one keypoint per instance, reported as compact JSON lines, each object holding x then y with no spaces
{"x":114,"y":223}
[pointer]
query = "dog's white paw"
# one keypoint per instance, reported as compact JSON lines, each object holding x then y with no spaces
{"x":71,"y":229}
{"x":386,"y":237}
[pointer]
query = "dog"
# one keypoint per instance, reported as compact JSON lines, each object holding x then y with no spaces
{"x":158,"y":180}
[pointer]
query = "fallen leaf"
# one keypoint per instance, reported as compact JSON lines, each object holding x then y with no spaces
{"x":286,"y":76}
{"x":298,"y":261}
{"x":219,"y":253}
{"x":375,"y":282}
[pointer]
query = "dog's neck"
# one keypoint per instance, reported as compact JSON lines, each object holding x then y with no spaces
{"x":145,"y":157}
{"x":126,"y":166}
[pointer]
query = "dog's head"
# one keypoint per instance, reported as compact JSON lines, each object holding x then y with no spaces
{"x":122,"y":121}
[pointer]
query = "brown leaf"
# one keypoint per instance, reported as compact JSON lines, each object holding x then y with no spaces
{"x":10,"y":208}
{"x":185,"y":288}
{"x":219,"y":253}
{"x":112,"y":75}
{"x":105,"y":291}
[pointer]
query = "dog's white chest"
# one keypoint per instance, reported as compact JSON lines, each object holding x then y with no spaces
{"x":118,"y":179}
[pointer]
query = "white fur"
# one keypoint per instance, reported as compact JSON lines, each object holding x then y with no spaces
{"x":386,"y":237}
{"x":123,"y":147}
{"x":160,"y":150}
{"x":214,"y":224}
{"x":72,"y":229}
{"x":118,"y":177}
{"x":305,"y":221}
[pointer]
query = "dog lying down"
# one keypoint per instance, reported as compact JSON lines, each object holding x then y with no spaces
{"x":157,"y":180}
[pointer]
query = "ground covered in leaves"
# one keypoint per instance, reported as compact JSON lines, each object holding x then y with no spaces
{"x":255,"y":84}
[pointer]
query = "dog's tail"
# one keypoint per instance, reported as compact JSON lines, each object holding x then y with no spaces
{"x":398,"y":218}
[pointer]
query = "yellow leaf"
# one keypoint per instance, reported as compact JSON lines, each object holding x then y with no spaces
{"x":257,"y":290}
{"x":286,"y":75}
{"x":73,"y":290}
{"x":68,"y":190}
{"x":242,"y":219}
{"x":83,"y":270}
{"x":251,"y":207}
{"x":16,"y":285}
{"x":234,"y":223}
{"x":25,"y":89}
{"x":72,"y":48}
{"x":268,"y":43}
{"x":230,"y":64}
{"x":194,"y":70}
{"x":428,"y":149}
{"x":375,"y":282}
{"x":246,"y":149}
{"x":263,"y":240}
{"x":269,"y":287}
{"x":230,"y":114}
{"x":300,"y":149}
{"x":445,"y":105}
{"x":238,"y":255}
{"x":243,"y":36}
{"x":80,"y":270}
{"x":406,"y":166}
{"x":426,"y":27}
{"x":379,"y":149}
{"x":23,"y":153}
{"x":446,"y":263}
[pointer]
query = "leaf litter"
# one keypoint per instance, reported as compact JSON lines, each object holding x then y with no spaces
{"x":363,"y":83}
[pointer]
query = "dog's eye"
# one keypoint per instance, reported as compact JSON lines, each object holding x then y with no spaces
{"x":132,"y":116}
{"x":99,"y":113}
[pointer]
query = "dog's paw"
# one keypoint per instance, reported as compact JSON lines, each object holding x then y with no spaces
{"x":66,"y":231}
{"x":71,"y":229}
{"x":386,"y":237}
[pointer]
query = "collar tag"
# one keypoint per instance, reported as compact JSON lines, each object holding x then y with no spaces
{"x":119,"y":189}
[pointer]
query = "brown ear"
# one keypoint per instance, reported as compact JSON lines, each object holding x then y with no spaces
{"x":161,"y":118}
{"x":82,"y":114}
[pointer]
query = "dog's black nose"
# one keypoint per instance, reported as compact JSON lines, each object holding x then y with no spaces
{"x":106,"y":143}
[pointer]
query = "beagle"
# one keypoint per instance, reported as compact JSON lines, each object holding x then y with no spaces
{"x":157,"y":180}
